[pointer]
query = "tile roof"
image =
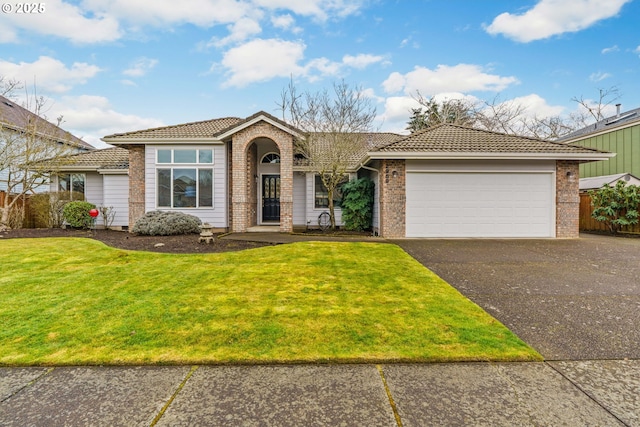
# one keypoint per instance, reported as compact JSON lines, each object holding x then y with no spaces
{"x":17,"y":118}
{"x":107,"y":158}
{"x":202,"y":129}
{"x":612,"y":122}
{"x":449,"y":138}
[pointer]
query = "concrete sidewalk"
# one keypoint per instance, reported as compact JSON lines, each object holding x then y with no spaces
{"x":583,"y":393}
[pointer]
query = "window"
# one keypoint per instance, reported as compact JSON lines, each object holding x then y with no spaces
{"x":322,"y":195}
{"x":185,"y":186}
{"x":185,"y":156}
{"x":271,"y":158}
{"x":72,"y":182}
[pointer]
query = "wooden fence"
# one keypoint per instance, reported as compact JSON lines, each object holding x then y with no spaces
{"x":588,"y":223}
{"x":29,"y":217}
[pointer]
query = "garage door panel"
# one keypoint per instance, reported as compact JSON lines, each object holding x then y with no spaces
{"x":479,"y":204}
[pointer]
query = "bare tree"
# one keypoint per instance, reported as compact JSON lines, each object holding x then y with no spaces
{"x":595,"y":110}
{"x":335,"y":125}
{"x":26,"y":140}
{"x":432,"y":113}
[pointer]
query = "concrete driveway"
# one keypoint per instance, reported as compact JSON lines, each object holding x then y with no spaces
{"x":569,"y":299}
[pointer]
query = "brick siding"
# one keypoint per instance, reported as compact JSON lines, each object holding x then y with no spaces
{"x":243,"y":186}
{"x":136,"y":183}
{"x":567,"y":199}
{"x":392,"y":198}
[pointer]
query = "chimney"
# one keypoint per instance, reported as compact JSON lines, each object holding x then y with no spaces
{"x":618,"y":110}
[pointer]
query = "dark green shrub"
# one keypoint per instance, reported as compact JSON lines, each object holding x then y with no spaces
{"x":158,"y":223}
{"x":616,"y":206}
{"x":76,"y":214}
{"x":47,"y":207}
{"x":357,"y":204}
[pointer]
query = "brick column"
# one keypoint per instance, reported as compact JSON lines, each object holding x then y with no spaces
{"x":136,"y":183}
{"x":392,"y":198}
{"x":243,"y":190}
{"x":567,"y":199}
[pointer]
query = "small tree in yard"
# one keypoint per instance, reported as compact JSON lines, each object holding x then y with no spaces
{"x":336,"y":125}
{"x":616,"y":206}
{"x":26,"y":140}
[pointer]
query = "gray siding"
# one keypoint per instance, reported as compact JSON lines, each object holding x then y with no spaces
{"x":299,"y":199}
{"x":216,"y":216}
{"x":116,"y":196}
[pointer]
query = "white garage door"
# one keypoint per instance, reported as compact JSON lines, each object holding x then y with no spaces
{"x":480,"y":205}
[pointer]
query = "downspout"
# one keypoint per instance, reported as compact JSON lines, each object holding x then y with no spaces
{"x":378,"y":185}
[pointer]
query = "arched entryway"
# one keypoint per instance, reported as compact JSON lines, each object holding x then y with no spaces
{"x":262,"y":178}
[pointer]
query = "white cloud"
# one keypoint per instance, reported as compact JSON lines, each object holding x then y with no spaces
{"x":457,"y":78}
{"x":536,"y":106}
{"x":637,"y":50}
{"x":92,"y":117}
{"x":202,"y":13}
{"x":599,"y":76}
{"x":282,"y":21}
{"x":318,"y":9}
{"x":140,"y":67}
{"x":64,"y":20}
{"x":238,"y":32}
{"x":552,"y":17}
{"x":49,"y":73}
{"x":361,"y":61}
{"x":611,"y":49}
{"x":261,"y":60}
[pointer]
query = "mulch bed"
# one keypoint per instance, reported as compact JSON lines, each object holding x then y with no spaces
{"x":186,"y":243}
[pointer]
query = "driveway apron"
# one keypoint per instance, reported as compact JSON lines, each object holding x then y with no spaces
{"x":569,"y":299}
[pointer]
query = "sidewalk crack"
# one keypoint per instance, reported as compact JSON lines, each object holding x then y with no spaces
{"x":29,"y":384}
{"x":394,"y":408}
{"x":173,"y":396}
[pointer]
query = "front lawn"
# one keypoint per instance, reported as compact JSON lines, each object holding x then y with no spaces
{"x":76,"y":301}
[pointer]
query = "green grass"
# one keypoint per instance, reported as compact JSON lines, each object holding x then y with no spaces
{"x":76,"y":301}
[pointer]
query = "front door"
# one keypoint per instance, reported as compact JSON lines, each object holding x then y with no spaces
{"x":271,"y":198}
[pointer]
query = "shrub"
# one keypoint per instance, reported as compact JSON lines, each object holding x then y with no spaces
{"x":76,"y":214}
{"x":616,"y":206}
{"x":48,"y":208}
{"x":357,"y":204}
{"x":158,"y":223}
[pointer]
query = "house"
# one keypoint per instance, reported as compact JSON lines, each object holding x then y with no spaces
{"x":19,"y":125}
{"x":619,"y":134}
{"x":596,"y":182}
{"x":446,"y":181}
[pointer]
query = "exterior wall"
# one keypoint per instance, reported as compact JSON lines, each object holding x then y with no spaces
{"x":567,"y":199}
{"x":93,"y":188}
{"x":217,"y":215}
{"x":392,"y":198}
{"x":241,"y":178}
{"x":136,"y":183}
{"x":311,"y":212}
{"x":116,"y":190}
{"x":624,"y":142}
{"x":252,"y":185}
{"x":299,"y":199}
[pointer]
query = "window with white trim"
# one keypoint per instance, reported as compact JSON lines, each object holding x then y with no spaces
{"x":322,"y":194}
{"x":72,"y":183}
{"x":186,"y":182}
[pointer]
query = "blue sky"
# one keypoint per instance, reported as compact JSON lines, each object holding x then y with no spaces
{"x":111,"y":66}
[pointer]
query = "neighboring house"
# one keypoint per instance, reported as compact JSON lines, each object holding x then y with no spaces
{"x":596,"y":182}
{"x":17,"y":125}
{"x":618,"y":134}
{"x":446,"y":181}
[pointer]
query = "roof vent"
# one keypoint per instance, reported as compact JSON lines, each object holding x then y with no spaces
{"x":618,"y":110}
{"x":7,"y":103}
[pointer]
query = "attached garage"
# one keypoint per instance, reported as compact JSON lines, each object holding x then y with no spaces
{"x":479,"y":200}
{"x":451,"y":181}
